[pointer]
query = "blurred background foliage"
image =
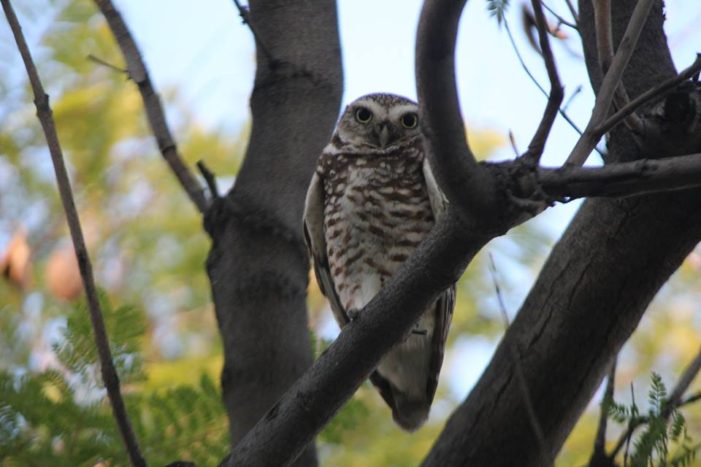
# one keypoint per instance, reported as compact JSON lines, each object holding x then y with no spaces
{"x":148,"y":248}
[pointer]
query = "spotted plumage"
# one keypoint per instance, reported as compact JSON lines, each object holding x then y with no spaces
{"x":371,"y":201}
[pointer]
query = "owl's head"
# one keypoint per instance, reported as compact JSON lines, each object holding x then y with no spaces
{"x":379,"y":120}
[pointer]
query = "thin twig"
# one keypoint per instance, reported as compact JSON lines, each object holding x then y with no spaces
{"x":244,"y":13}
{"x":104,"y":63}
{"x":587,"y":142}
{"x":518,"y":369}
{"x":154,"y":110}
{"x":108,"y":371}
{"x":573,"y":12}
{"x":535,"y":81}
{"x":648,"y":96}
{"x":604,"y":40}
{"x":600,"y":438}
{"x":210,"y":179}
{"x":604,"y":47}
{"x":560,"y":19}
{"x":570,"y":99}
{"x":537,"y":145}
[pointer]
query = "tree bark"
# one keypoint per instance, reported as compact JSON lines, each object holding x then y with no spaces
{"x":258,"y":265}
{"x":587,"y":301}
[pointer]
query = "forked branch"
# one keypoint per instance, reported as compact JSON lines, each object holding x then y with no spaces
{"x":108,"y":371}
{"x":154,"y":110}
{"x":612,"y":79}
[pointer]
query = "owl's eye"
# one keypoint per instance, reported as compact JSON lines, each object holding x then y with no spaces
{"x":363,"y":115}
{"x":409,"y":120}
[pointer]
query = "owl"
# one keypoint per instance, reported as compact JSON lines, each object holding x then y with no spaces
{"x":370,"y":203}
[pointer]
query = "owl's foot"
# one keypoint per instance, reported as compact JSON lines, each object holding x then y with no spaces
{"x":353,"y":314}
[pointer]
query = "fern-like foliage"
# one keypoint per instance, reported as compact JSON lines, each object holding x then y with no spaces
{"x":665,"y":441}
{"x":61,"y":417}
{"x":498,"y":9}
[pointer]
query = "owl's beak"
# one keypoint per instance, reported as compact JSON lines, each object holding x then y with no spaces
{"x":386,"y":133}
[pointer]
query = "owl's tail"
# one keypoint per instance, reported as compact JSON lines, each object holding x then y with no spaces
{"x":410,"y":414}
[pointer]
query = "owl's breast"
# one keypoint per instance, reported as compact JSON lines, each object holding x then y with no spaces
{"x":374,"y":218}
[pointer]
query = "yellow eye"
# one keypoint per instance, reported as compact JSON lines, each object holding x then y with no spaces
{"x":409,"y":120}
{"x":363,"y":115}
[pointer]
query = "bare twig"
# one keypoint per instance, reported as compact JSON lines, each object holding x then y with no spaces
{"x":210,"y":179}
{"x":244,"y":13}
{"x":154,"y":110}
{"x":587,"y":142}
{"x":560,"y":19}
{"x":102,"y":62}
{"x":573,"y":11}
{"x":599,"y":455}
{"x":518,"y":369}
{"x":648,"y":96}
{"x":683,"y":384}
{"x":108,"y":371}
{"x":563,"y":113}
{"x":604,"y":40}
{"x":537,"y":145}
{"x":604,"y":46}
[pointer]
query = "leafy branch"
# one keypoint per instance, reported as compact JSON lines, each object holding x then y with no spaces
{"x":109,"y":373}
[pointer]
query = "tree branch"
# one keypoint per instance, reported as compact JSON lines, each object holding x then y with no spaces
{"x":154,"y":110}
{"x":621,"y":179}
{"x":599,"y":458}
{"x":108,"y":371}
{"x":648,"y":96}
{"x":588,"y":141}
{"x":310,"y":403}
{"x":537,"y":145}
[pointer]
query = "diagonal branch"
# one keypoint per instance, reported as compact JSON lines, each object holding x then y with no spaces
{"x":599,"y":456}
{"x":109,"y":373}
{"x":535,"y":149}
{"x":612,"y":79}
{"x":648,"y":96}
{"x":154,"y":110}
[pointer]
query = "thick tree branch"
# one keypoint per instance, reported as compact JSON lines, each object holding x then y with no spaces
{"x":621,"y":179}
{"x":604,"y":97}
{"x":452,"y":161}
{"x":310,"y":403}
{"x":108,"y":371}
{"x":154,"y":110}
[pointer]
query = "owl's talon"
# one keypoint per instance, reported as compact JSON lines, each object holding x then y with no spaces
{"x":353,"y":314}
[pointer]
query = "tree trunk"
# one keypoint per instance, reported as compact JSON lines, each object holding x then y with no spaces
{"x":587,"y":301}
{"x":258,"y":264}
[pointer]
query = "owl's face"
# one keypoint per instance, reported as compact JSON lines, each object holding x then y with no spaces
{"x":379,"y":121}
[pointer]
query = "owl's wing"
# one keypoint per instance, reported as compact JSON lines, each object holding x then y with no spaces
{"x":439,"y":202}
{"x":316,"y":243}
{"x":446,"y":302}
{"x":444,"y":315}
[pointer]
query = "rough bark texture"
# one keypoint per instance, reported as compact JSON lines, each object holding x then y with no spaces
{"x":587,"y":301}
{"x":258,"y":265}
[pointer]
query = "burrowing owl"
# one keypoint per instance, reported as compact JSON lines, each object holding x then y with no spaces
{"x":371,"y":201}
